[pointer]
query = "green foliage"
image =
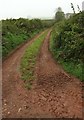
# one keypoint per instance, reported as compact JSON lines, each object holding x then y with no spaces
{"x":74,"y":69}
{"x":59,"y":16}
{"x":48,"y":23}
{"x":68,"y":43}
{"x":17,"y":31}
{"x":29,"y":59}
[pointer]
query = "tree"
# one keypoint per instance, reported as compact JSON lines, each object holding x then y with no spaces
{"x":59,"y":16}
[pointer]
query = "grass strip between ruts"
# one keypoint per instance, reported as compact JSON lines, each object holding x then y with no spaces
{"x":28,"y":60}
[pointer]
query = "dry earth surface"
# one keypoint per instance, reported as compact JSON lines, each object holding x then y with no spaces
{"x":54,"y":93}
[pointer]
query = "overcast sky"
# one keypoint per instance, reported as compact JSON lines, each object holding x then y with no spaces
{"x":35,"y":8}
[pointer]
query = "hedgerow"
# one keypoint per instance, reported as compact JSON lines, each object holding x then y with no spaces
{"x":68,"y":41}
{"x":17,"y":31}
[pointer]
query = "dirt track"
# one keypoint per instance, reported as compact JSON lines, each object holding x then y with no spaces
{"x":54,"y":93}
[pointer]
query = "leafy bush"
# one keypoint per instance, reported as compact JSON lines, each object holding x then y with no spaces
{"x":17,"y":31}
{"x":68,"y":40}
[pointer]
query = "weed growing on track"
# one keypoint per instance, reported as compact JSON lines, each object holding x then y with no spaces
{"x":29,"y":59}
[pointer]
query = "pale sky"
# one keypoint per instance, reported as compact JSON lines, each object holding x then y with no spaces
{"x":35,"y":8}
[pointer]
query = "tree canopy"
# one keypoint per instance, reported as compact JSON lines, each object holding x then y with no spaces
{"x":59,"y":14}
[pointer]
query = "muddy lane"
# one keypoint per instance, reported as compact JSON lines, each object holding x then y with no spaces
{"x":54,"y":93}
{"x":13,"y":90}
{"x":59,"y":94}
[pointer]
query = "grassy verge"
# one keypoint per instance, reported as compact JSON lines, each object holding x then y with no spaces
{"x":75,"y":69}
{"x":29,"y":59}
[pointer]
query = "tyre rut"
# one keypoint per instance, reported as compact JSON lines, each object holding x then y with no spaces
{"x":53,"y":93}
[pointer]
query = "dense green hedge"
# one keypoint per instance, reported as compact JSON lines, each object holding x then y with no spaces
{"x":69,"y":38}
{"x":68,"y":41}
{"x":17,"y":31}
